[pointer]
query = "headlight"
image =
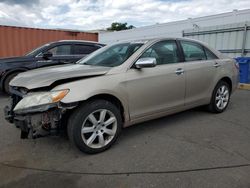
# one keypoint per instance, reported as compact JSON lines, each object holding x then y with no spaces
{"x":40,"y":99}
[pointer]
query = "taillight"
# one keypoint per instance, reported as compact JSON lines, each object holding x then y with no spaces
{"x":236,"y":65}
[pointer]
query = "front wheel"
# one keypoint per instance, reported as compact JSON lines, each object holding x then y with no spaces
{"x":220,"y":97}
{"x":95,"y":126}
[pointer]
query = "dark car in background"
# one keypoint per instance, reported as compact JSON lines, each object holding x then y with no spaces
{"x":54,"y":53}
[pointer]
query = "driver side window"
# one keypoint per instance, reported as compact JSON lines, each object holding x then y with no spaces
{"x":61,"y":50}
{"x":165,"y":52}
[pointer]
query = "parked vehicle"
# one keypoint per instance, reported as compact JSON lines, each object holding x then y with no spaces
{"x":120,"y":85}
{"x":54,"y":53}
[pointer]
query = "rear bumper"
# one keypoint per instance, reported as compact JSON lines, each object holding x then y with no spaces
{"x":235,"y":82}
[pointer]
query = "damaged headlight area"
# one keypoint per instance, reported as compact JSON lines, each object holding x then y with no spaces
{"x":39,"y":101}
{"x":38,"y":114}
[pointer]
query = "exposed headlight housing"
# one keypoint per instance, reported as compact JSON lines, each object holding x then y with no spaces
{"x":37,"y":100}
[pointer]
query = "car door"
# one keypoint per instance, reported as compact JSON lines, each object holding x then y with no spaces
{"x":200,"y":72}
{"x":61,"y":54}
{"x":158,"y":89}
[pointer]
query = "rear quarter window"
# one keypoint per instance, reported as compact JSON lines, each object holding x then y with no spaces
{"x":210,"y":55}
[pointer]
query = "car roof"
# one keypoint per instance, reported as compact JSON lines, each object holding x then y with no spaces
{"x":175,"y":38}
{"x":159,"y":39}
{"x":78,"y":41}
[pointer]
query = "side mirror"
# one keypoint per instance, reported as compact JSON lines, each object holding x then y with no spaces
{"x":47,"y":55}
{"x":145,"y":62}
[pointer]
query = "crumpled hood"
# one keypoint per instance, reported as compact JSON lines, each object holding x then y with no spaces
{"x":44,"y":77}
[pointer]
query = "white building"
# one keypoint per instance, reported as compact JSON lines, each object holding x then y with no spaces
{"x":227,"y":32}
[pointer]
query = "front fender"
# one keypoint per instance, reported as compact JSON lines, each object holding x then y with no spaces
{"x":84,"y":89}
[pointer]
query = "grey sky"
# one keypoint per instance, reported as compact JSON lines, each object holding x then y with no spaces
{"x":98,"y":14}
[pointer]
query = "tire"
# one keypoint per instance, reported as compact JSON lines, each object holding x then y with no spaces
{"x":100,"y":131}
{"x":7,"y":82}
{"x":220,"y":95}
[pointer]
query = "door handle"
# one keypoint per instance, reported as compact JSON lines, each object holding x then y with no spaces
{"x":216,"y":65}
{"x":179,"y":71}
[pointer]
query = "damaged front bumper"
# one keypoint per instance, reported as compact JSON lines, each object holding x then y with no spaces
{"x":36,"y":124}
{"x":39,"y":121}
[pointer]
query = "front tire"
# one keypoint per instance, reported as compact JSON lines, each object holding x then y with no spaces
{"x":94,"y":126}
{"x":220,"y":97}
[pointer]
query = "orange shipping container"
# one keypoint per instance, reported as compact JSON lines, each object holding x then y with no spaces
{"x":17,"y":41}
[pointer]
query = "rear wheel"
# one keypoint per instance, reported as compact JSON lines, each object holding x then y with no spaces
{"x":95,"y":126}
{"x":7,"y":81}
{"x":220,"y":97}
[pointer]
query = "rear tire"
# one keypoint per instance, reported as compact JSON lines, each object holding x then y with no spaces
{"x":94,"y":126}
{"x":220,"y":97}
{"x":7,"y":82}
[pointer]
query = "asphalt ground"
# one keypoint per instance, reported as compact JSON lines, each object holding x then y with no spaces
{"x":190,"y":149}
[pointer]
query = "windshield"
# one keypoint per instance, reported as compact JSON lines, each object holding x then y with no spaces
{"x":112,"y":56}
{"x":36,"y":51}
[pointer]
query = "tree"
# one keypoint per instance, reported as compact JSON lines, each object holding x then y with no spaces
{"x":116,"y":26}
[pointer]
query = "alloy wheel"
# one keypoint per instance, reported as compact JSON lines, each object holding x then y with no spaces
{"x":222,"y":97}
{"x":99,"y":128}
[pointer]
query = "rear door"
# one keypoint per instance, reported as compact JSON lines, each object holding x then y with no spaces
{"x":200,"y":72}
{"x":158,"y":89}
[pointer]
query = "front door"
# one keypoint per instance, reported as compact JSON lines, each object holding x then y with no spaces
{"x":61,"y":54}
{"x":158,"y":89}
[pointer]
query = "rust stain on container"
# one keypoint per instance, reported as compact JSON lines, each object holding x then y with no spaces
{"x":17,"y":41}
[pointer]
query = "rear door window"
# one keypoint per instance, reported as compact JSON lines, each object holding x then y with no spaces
{"x":80,"y":49}
{"x":193,"y":51}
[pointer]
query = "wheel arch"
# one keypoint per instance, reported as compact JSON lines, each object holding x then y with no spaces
{"x":11,"y":72}
{"x":225,"y":79}
{"x":113,"y":99}
{"x":212,"y":105}
{"x":228,"y":81}
{"x":108,"y":97}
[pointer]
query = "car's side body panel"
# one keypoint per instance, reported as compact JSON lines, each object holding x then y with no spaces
{"x":228,"y":70}
{"x":154,"y":92}
{"x":107,"y":84}
{"x":200,"y":81}
{"x":151,"y":90}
